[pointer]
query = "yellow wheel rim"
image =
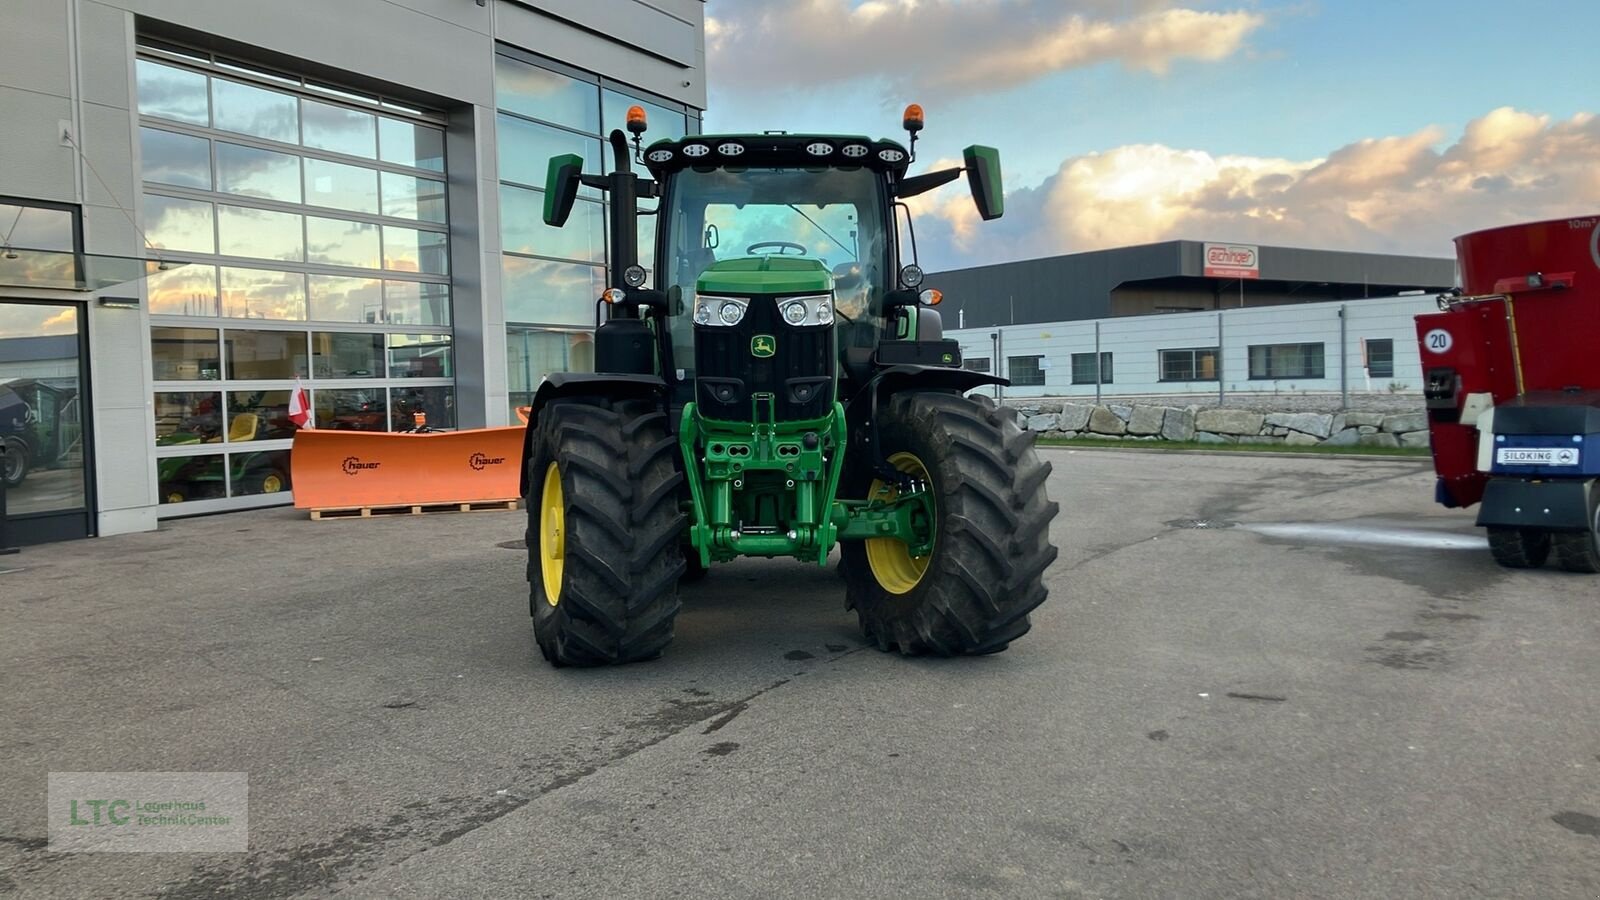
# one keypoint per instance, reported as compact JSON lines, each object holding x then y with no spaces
{"x":890,"y":559}
{"x":552,"y":534}
{"x":272,"y":484}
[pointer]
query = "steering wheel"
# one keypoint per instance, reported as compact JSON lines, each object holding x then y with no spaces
{"x":780,"y":245}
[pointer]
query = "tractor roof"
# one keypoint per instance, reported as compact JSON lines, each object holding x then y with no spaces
{"x":776,"y":150}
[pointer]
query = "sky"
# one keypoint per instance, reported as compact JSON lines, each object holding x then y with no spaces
{"x":1376,"y":125}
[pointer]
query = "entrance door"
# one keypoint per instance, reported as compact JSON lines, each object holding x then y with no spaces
{"x":42,"y":417}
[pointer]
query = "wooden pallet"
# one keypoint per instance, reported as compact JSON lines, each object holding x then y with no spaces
{"x":412,"y":509}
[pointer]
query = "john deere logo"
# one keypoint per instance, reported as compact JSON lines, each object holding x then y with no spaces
{"x":763,"y":346}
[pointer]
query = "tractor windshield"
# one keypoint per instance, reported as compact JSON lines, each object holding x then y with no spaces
{"x":831,"y":215}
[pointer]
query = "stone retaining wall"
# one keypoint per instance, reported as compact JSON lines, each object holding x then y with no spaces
{"x":1136,"y":422}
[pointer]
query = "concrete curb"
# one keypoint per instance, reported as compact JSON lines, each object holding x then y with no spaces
{"x":1274,"y":454}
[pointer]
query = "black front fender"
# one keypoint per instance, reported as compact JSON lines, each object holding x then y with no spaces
{"x":937,"y":378}
{"x":573,"y":384}
{"x":1564,"y":504}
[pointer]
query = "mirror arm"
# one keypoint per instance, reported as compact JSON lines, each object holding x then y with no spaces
{"x":919,"y":184}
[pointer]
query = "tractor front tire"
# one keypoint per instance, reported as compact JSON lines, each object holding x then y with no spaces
{"x":16,"y":459}
{"x":1579,"y":551}
{"x":604,"y":531}
{"x":1519,"y":548}
{"x":991,"y":531}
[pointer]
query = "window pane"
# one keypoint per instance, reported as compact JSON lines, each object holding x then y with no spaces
{"x":405,"y":144}
{"x":1380,"y":358}
{"x":663,"y":122}
{"x":171,"y":158}
{"x":185,"y":354}
{"x":261,"y":294}
{"x":336,"y":355}
{"x":258,"y":416}
{"x":168,"y":92}
{"x":526,"y":148}
{"x":266,"y":472}
{"x":262,"y":355}
{"x":414,"y":303}
{"x":351,"y":410}
{"x":339,"y":242}
{"x":259,"y":233}
{"x":38,"y":228}
{"x":1025,"y":371}
{"x":173,"y":224}
{"x":420,"y":356}
{"x":247,"y":109}
{"x":258,"y":173}
{"x":522,"y":227}
{"x":437,"y":405}
{"x":546,"y":95}
{"x":556,"y":293}
{"x":188,"y":418}
{"x":976,"y":364}
{"x":647,"y":234}
{"x":184,"y":478}
{"x":424,"y":252}
{"x":185,"y":291}
{"x":340,"y":130}
{"x":341,"y":186}
{"x":410,"y":197}
{"x":335,"y":298}
{"x":531,"y":354}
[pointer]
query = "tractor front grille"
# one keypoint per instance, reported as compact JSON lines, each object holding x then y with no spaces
{"x":731,"y":366}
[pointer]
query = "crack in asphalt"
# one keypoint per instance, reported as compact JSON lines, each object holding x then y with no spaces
{"x":352,"y":853}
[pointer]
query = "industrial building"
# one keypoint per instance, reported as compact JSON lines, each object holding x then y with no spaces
{"x":1176,"y":277}
{"x":340,"y":195}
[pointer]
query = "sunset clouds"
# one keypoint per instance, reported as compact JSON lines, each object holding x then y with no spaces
{"x":1403,"y":193}
{"x":946,"y":48}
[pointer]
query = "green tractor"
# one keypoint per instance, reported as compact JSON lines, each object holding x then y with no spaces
{"x":783,"y":387}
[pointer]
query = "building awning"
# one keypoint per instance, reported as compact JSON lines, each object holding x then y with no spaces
{"x":57,"y":270}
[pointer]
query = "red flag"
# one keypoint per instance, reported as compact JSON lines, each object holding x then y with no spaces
{"x":300,"y":407}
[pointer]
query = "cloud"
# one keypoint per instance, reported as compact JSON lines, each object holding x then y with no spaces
{"x":950,"y":47}
{"x":1399,"y":194}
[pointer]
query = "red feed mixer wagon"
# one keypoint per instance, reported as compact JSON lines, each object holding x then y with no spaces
{"x":1511,"y":368}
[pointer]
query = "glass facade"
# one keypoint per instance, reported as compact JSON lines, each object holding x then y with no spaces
{"x":551,"y":278}
{"x":314,"y":225}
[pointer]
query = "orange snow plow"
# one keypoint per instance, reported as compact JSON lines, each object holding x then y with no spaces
{"x":357,"y":469}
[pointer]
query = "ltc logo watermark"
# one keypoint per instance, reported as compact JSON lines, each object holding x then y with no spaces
{"x":149,"y":812}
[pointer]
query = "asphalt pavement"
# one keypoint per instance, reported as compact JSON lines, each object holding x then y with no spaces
{"x":1254,"y":677}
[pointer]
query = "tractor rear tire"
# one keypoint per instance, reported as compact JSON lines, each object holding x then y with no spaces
{"x":1579,"y":551}
{"x":972,"y":594}
{"x":1519,"y":548}
{"x":603,"y":540}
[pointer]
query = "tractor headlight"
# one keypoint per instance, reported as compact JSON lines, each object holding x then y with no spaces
{"x":813,"y":310}
{"x":719,"y":311}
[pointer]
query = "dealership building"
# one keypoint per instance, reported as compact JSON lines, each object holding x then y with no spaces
{"x":205,"y":204}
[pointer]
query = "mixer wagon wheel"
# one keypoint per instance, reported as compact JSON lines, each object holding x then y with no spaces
{"x":971,"y":594}
{"x":1518,"y":548}
{"x":1579,"y":551}
{"x":604,"y":531}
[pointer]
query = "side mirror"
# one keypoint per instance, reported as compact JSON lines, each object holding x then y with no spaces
{"x":983,"y":176}
{"x":561,"y":188}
